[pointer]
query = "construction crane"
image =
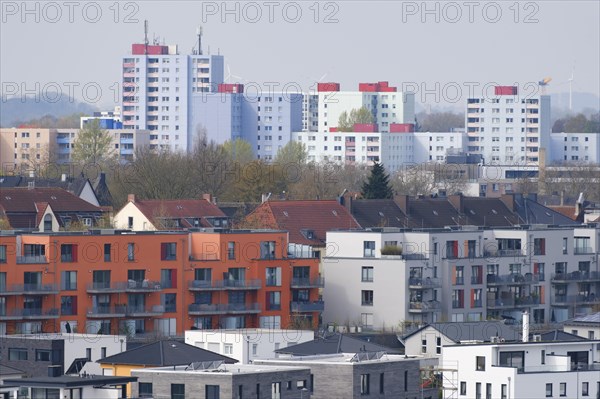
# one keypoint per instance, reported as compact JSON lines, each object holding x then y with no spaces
{"x":543,"y":83}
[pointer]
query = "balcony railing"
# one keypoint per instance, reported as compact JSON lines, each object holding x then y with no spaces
{"x":31,"y":314}
{"x":509,"y":303}
{"x":207,"y":309}
{"x":206,"y":285}
{"x":583,"y":250}
{"x":595,"y":367}
{"x":107,"y":311}
{"x":424,"y":283}
{"x":576,"y":276}
{"x":141,"y":310}
{"x":317,"y":306}
{"x":502,"y":252}
{"x":476,"y":280}
{"x":422,"y":307}
{"x":28,"y":259}
{"x":316,"y":282}
{"x":106,"y":287}
{"x":512,"y":279}
{"x":30,"y":289}
{"x":565,"y":300}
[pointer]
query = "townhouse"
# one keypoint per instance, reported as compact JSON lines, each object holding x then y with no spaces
{"x":153,"y":282}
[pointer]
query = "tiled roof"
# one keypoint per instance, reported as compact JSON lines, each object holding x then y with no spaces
{"x":593,"y":318}
{"x":179,"y":209}
{"x":332,"y":344}
{"x":532,"y":212}
{"x":378,"y":213}
{"x":568,"y":211}
{"x":165,"y":353}
{"x":306,"y":221}
{"x":432,"y":212}
{"x":24,"y":206}
{"x":487,"y":212}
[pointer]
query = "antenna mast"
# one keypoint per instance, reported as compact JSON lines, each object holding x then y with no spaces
{"x":199,"y":34}
{"x":146,"y":37}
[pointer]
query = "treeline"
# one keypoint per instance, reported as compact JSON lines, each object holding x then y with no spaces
{"x":577,"y":124}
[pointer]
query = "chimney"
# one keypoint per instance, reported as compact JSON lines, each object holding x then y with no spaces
{"x":525,"y":326}
{"x":509,"y":201}
{"x":131,"y":198}
{"x":457,"y":202}
{"x":579,"y":205}
{"x":207,"y":197}
{"x":403,"y":202}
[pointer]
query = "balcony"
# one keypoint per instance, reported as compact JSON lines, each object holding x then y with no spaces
{"x":30,"y":314}
{"x":424,"y":307}
{"x":206,"y":285}
{"x":575,"y":276}
{"x":575,"y":300}
{"x":583,"y":251}
{"x":106,"y":288}
{"x":142,"y":286}
{"x":316,"y":282}
{"x":475,"y":280}
{"x":227,"y":308}
{"x":104,"y":312}
{"x":418,"y":283}
{"x":144,"y":311}
{"x":30,"y":289}
{"x":512,"y":279}
{"x":512,"y":303}
{"x":502,"y":253}
{"x":317,"y":306}
{"x":31,"y":259}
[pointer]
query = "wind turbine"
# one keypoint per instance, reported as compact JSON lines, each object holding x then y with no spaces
{"x":229,"y":76}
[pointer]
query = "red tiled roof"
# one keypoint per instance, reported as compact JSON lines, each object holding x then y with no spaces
{"x":179,"y":209}
{"x":568,"y":211}
{"x":41,"y":208}
{"x":298,"y":217}
{"x":23,"y":199}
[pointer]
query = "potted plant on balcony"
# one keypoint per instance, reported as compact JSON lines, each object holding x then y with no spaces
{"x":391,"y":250}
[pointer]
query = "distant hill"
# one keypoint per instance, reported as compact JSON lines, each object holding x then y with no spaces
{"x":14,"y":111}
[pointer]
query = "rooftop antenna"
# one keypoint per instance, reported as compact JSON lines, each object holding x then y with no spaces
{"x":146,"y":37}
{"x":199,"y":34}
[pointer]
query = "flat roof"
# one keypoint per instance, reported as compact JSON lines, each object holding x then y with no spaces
{"x":67,"y":381}
{"x":227,"y":369}
{"x":513,"y":343}
{"x":342,"y":359}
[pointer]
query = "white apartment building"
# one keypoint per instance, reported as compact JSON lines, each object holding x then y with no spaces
{"x":248,"y":344}
{"x":575,"y":147}
{"x":459,"y":274}
{"x":157,"y":84}
{"x":587,"y":326}
{"x":509,"y":128}
{"x":531,"y":370}
{"x":434,"y":146}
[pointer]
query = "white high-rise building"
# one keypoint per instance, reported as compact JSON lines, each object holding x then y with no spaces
{"x":509,"y":129}
{"x":157,"y":84}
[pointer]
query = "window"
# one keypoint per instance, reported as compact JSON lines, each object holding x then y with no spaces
{"x":273,"y":300}
{"x":267,"y":250}
{"x":273,"y":276}
{"x":381,"y":383}
{"x":2,"y":253}
{"x":228,"y":349}
{"x":367,"y":274}
{"x":145,"y":389}
{"x":539,"y":246}
{"x":276,"y":390}
{"x":169,"y":301}
{"x":549,"y":390}
{"x":42,"y":355}
{"x":369,"y":249}
{"x":512,"y":359}
{"x":210,"y":392}
{"x":405,"y":380}
{"x":68,"y":280}
{"x":503,"y":391}
{"x":168,"y":251}
{"x":367,"y":297}
{"x":131,"y":252}
{"x":68,"y":305}
{"x":364,"y":384}
{"x":107,"y":252}
{"x":562,"y":389}
{"x":438,"y":345}
{"x":178,"y":391}
{"x":130,"y":222}
{"x":478,"y":390}
{"x":231,"y":250}
{"x":168,"y":278}
{"x":585,"y":389}
{"x":488,"y":391}
{"x":480,"y":363}
{"x":424,"y":346}
{"x":590,"y":335}
{"x":88,"y":353}
{"x":68,"y":253}
{"x":17,"y":354}
{"x":463,"y":388}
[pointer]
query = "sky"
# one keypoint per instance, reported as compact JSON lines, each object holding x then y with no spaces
{"x":443,"y":50}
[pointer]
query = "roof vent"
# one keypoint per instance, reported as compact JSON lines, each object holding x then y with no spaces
{"x":53,"y":197}
{"x":495,"y":212}
{"x":334,"y":212}
{"x":537,"y":338}
{"x":285,"y":214}
{"x":435,"y":213}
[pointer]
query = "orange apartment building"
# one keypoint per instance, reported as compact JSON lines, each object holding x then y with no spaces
{"x":154,"y":282}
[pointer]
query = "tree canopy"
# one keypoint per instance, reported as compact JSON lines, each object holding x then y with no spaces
{"x":292,"y":152}
{"x":377,"y":185}
{"x":93,"y":144}
{"x":357,"y":116}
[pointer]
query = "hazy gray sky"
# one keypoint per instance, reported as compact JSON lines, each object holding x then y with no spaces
{"x":363,"y":41}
